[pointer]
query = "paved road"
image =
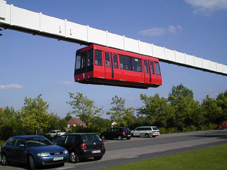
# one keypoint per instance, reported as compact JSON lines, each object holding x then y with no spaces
{"x":136,"y":149}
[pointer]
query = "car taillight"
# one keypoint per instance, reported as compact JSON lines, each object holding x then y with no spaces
{"x":123,"y":133}
{"x":83,"y":146}
{"x":103,"y":145}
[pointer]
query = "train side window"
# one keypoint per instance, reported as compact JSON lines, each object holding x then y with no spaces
{"x":98,"y":57}
{"x":115,"y":61}
{"x":83,"y":60}
{"x":145,"y":67}
{"x":136,"y":64}
{"x":157,"y":68}
{"x":152,"y":68}
{"x":107,"y":58}
{"x":125,"y":62}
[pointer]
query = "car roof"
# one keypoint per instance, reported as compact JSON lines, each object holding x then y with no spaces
{"x":147,"y":126}
{"x":82,"y":133}
{"x":28,"y":136}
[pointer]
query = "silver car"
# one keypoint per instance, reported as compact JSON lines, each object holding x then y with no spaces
{"x":146,"y":131}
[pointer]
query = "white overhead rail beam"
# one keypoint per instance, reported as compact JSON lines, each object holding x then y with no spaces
{"x":15,"y":18}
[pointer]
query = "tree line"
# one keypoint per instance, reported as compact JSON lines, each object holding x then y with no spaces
{"x":179,"y":112}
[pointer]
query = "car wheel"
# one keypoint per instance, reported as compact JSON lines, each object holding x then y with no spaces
{"x":128,"y":138}
{"x":147,"y":135}
{"x":4,"y":160}
{"x":98,"y":157}
{"x":73,"y":157}
{"x":103,"y":137}
{"x":154,"y":136}
{"x":31,"y":162}
{"x":119,"y":137}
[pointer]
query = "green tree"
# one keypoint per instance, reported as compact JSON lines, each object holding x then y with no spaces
{"x":183,"y":104}
{"x":83,"y":107}
{"x":118,"y":113}
{"x":10,"y":124}
{"x":212,"y":112}
{"x":34,"y":115}
{"x":155,"y":109}
{"x":222,"y":103}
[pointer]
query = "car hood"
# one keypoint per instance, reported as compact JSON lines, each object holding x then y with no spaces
{"x":49,"y":148}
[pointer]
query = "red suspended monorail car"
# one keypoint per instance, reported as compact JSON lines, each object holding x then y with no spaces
{"x":97,"y":64}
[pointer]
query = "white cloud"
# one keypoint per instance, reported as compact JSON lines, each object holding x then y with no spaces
{"x":66,"y":83}
{"x":160,"y":31}
{"x":11,"y":86}
{"x":153,"y":31}
{"x":206,"y":7}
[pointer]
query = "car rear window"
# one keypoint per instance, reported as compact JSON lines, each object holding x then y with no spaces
{"x":155,"y":128}
{"x":90,"y":137}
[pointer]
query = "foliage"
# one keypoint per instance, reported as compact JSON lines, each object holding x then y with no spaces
{"x":34,"y":115}
{"x":83,"y":107}
{"x":9,"y":123}
{"x":177,"y":113}
{"x":119,"y":113}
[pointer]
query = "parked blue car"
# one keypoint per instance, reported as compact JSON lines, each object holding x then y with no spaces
{"x":35,"y":150}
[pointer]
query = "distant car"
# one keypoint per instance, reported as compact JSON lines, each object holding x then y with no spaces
{"x":54,"y":133}
{"x":222,"y":126}
{"x":33,"y":149}
{"x":116,"y":132}
{"x":82,"y":145}
{"x":146,"y":131}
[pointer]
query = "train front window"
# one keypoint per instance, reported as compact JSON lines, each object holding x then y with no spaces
{"x":89,"y":57}
{"x":78,"y":61}
{"x":157,"y":68}
{"x":98,"y":57}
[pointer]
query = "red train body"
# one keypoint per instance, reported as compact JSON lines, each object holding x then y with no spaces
{"x":97,"y":64}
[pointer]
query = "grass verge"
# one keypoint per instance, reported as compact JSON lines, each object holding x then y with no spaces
{"x":213,"y":158}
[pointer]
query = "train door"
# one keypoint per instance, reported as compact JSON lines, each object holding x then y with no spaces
{"x":112,"y":66}
{"x":149,"y":70}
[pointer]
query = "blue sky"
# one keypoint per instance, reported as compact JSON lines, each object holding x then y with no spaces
{"x":32,"y":65}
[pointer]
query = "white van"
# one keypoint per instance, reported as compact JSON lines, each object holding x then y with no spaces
{"x":146,"y":131}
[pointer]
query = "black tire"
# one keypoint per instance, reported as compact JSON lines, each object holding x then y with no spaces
{"x":128,"y":138}
{"x":4,"y":160}
{"x":97,"y":157}
{"x":31,"y":162}
{"x":147,"y":135}
{"x":154,"y":136}
{"x":119,"y":137}
{"x":73,"y":157}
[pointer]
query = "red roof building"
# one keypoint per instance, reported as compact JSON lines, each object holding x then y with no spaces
{"x":76,"y":122}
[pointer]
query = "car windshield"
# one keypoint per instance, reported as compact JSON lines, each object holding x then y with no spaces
{"x":37,"y":141}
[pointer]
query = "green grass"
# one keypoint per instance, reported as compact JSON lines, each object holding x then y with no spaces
{"x":212,"y":158}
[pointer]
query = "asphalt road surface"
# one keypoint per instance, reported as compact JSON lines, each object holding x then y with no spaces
{"x":141,"y":148}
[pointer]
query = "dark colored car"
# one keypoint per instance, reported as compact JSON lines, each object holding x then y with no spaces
{"x":116,"y":132}
{"x":35,"y":150}
{"x":82,"y":145}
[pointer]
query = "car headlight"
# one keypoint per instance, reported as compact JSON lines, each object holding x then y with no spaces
{"x":43,"y":154}
{"x":65,"y":152}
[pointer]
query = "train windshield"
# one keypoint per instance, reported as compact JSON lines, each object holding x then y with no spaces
{"x":84,"y":62}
